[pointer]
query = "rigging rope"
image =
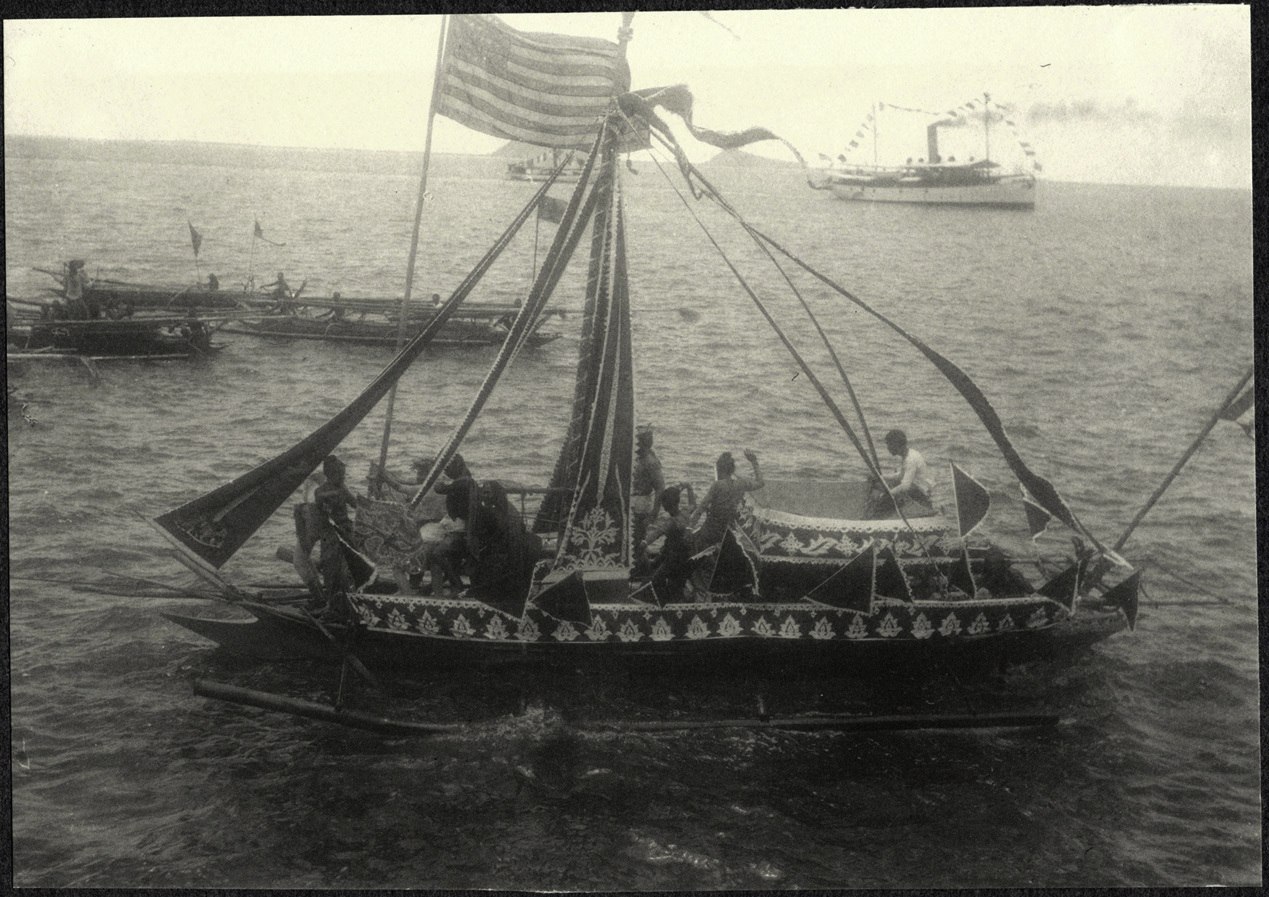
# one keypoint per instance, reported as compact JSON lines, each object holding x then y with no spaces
{"x":873,"y":468}
{"x":571,"y":227}
{"x":1040,"y":487}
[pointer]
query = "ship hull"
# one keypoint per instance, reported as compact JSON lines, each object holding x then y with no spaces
{"x":786,"y":640}
{"x":1017,"y":193}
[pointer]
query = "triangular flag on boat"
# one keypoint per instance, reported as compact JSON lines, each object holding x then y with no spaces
{"x":1124,"y":597}
{"x":566,"y":600}
{"x":889,"y":580}
{"x":1037,"y":518}
{"x":543,"y":89}
{"x":960,"y":576}
{"x":195,"y":238}
{"x":552,"y":209}
{"x":849,"y":587}
{"x":735,"y":564}
{"x":259,"y":235}
{"x":972,"y":501}
{"x":1065,"y":587}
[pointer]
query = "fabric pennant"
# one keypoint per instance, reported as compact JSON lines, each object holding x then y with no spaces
{"x":961,"y":576}
{"x":1124,"y":597}
{"x":889,"y":580}
{"x":972,"y":501}
{"x":566,"y":600}
{"x":195,"y":238}
{"x":736,"y":565}
{"x":1037,"y":517}
{"x":850,"y":587}
{"x":552,"y":209}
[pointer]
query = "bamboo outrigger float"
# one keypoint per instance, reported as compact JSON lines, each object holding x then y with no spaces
{"x":794,"y":587}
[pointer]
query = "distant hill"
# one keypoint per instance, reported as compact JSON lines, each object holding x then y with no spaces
{"x":742,"y":159}
{"x":513,"y":149}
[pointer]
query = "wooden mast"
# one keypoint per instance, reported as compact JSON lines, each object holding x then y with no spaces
{"x":414,"y":245}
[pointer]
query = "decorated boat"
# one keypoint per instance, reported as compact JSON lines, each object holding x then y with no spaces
{"x":807,"y":577}
{"x":937,"y":178}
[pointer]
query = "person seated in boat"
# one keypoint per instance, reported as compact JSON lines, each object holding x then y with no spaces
{"x":75,"y":291}
{"x":647,"y":482}
{"x":674,"y":562}
{"x":723,"y":498}
{"x":503,"y":551}
{"x":444,"y":538}
{"x":436,"y":300}
{"x":910,"y":484}
{"x":213,"y":282}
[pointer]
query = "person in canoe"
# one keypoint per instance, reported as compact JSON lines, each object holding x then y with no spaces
{"x":76,"y":292}
{"x":910,"y":484}
{"x":281,"y":291}
{"x":723,"y":499}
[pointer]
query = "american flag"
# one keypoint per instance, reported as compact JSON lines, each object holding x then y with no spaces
{"x":543,"y":89}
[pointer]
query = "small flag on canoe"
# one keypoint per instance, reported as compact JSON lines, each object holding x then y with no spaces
{"x":1240,"y":410}
{"x":552,"y":209}
{"x":195,"y":238}
{"x":972,"y":500}
{"x":544,"y":89}
{"x":1037,"y":518}
{"x":259,"y":235}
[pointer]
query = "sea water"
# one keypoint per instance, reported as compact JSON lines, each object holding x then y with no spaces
{"x":1105,"y":326}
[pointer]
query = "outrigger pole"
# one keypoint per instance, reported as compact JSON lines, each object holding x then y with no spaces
{"x":1189,"y":453}
{"x":414,"y":244}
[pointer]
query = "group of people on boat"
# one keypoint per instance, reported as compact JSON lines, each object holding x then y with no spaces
{"x":469,"y":529}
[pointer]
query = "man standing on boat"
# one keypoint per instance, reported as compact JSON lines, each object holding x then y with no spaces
{"x":647,"y":483}
{"x":910,"y":481}
{"x":332,"y":500}
{"x":723,"y":498}
{"x":77,"y":284}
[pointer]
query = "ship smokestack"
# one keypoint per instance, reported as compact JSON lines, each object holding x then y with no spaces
{"x":932,"y":141}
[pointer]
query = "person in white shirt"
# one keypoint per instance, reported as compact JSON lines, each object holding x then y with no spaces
{"x":910,"y":481}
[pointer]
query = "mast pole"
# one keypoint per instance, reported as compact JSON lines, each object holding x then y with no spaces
{"x":414,"y":244}
{"x":987,"y":123}
{"x":1167,"y":481}
{"x":874,"y":134}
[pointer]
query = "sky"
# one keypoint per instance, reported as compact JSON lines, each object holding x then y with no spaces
{"x":1108,"y":94}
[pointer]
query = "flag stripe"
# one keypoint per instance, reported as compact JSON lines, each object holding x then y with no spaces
{"x":544,"y":89}
{"x":479,"y":89}
{"x":533,"y":83}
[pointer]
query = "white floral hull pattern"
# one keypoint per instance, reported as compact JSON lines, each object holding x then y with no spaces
{"x":415,"y":617}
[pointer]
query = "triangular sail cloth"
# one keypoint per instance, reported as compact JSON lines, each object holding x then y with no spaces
{"x":972,"y":501}
{"x":594,"y":467}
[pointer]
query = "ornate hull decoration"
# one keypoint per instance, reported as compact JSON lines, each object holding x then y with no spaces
{"x":409,"y":618}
